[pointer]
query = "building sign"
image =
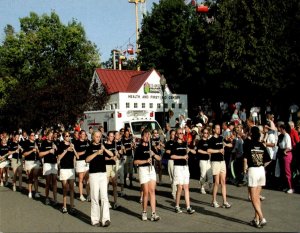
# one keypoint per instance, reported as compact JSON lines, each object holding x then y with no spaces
{"x":151,"y":88}
{"x":137,"y":96}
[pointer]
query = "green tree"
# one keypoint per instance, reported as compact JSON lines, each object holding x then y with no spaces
{"x":46,"y":70}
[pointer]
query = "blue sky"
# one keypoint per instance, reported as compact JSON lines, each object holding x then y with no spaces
{"x":108,"y":23}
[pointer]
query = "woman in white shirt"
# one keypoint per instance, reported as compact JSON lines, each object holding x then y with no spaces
{"x":285,"y":156}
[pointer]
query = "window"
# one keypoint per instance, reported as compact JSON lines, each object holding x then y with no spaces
{"x":135,"y":105}
{"x":166,"y":105}
{"x":150,"y":105}
{"x":158,"y":105}
{"x":173,"y":105}
{"x":179,"y":105}
{"x":143,"y":105}
{"x":127,"y":105}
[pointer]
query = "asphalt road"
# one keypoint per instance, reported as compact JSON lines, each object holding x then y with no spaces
{"x":18,"y":213}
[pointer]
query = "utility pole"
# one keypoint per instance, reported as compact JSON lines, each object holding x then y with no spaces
{"x":136,"y":2}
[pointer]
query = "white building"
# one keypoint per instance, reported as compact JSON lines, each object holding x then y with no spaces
{"x":140,"y":90}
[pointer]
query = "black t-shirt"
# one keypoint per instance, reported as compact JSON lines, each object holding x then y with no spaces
{"x":81,"y":146}
{"x":97,"y":164}
{"x":119,"y":148}
{"x":256,"y":154}
{"x":28,"y":146}
{"x":112,"y":148}
{"x":143,"y":153}
{"x":179,"y":149}
{"x":202,"y":145}
{"x":48,"y":158}
{"x":3,"y":149}
{"x":168,"y":146}
{"x":67,"y":162}
{"x":127,"y":144}
{"x":13,"y":146}
{"x":216,"y":144}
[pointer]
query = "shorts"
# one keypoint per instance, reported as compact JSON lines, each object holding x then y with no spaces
{"x":81,"y":166}
{"x":111,"y":170}
{"x":4,"y":164}
{"x":120,"y":171}
{"x":218,"y":167}
{"x":31,"y":164}
{"x":67,"y":174}
{"x":128,"y":164}
{"x":181,"y":175}
{"x":15,"y":163}
{"x":256,"y":176}
{"x":50,"y":168}
{"x":147,"y":174}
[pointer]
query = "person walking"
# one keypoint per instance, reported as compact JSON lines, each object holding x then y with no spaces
{"x":48,"y":153}
{"x":216,"y":149}
{"x":144,"y":158}
{"x":100,"y":216}
{"x":16,"y":161}
{"x":66,"y":158}
{"x":256,"y":157}
{"x":181,"y":171}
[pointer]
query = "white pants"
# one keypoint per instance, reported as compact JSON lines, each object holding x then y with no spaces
{"x":171,"y":175}
{"x":98,"y":183}
{"x":205,"y":172}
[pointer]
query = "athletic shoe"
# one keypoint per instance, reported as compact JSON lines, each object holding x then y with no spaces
{"x":263,"y":222}
{"x":226,"y":205}
{"x":290,"y":191}
{"x":106,"y":224}
{"x":141,"y":200}
{"x":215,"y":204}
{"x":1,"y":184}
{"x":88,"y":198}
{"x":47,"y":201}
{"x":37,"y":195}
{"x":256,"y":224}
{"x":82,"y":198}
{"x":178,"y":210}
{"x":115,"y":206}
{"x":6,"y":183}
{"x":202,"y":190}
{"x":154,"y":217}
{"x":14,"y":188}
{"x":144,"y":216}
{"x":190,"y":210}
{"x":262,"y":198}
{"x":30,"y":195}
{"x":64,"y":210}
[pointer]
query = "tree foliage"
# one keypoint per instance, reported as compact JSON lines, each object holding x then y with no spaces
{"x":45,"y":72}
{"x":247,"y":49}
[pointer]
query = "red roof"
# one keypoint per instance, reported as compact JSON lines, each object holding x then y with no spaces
{"x":122,"y":80}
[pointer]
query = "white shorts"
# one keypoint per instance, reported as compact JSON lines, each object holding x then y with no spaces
{"x":4,"y":164}
{"x":29,"y":165}
{"x":67,"y":174}
{"x":181,"y":175}
{"x":50,"y":168}
{"x":111,"y":170}
{"x":81,"y":166}
{"x":218,"y":167}
{"x":15,"y":163}
{"x":256,"y":176}
{"x":146,"y":174}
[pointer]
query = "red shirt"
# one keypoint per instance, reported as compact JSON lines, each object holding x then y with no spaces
{"x":294,"y":137}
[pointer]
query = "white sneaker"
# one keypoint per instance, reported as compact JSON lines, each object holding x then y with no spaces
{"x":290,"y":191}
{"x":47,"y":201}
{"x":37,"y":195}
{"x":82,"y":198}
{"x":30,"y":195}
{"x":202,"y":190}
{"x":144,"y":216}
{"x":1,"y":184}
{"x":263,"y":222}
{"x":14,"y":188}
